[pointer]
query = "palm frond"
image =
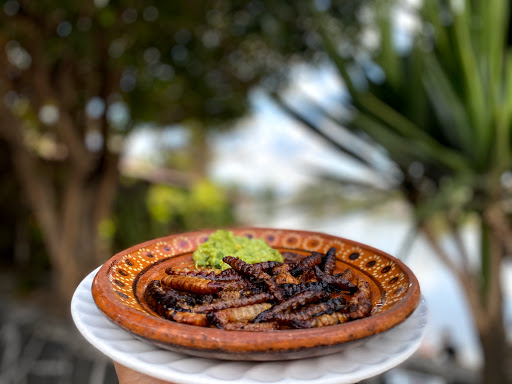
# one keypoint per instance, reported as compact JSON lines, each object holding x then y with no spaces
{"x":475,"y":91}
{"x":449,"y":108}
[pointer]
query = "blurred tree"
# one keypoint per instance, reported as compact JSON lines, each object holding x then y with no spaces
{"x":79,"y":76}
{"x":432,"y":105}
{"x":167,"y":209}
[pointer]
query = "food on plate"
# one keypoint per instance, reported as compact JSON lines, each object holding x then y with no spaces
{"x":268,"y":295}
{"x":224,"y":243}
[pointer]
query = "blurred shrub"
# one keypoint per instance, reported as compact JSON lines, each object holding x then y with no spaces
{"x":144,"y":211}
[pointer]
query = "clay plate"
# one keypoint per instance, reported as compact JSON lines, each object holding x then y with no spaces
{"x":118,"y":291}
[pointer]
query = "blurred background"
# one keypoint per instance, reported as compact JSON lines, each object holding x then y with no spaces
{"x":385,"y":122}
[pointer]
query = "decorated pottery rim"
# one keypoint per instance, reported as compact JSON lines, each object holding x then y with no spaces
{"x":118,"y":285}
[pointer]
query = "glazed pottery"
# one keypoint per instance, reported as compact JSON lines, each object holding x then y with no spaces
{"x":118,"y":291}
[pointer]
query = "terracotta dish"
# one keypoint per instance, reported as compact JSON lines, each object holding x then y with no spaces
{"x":118,"y":290}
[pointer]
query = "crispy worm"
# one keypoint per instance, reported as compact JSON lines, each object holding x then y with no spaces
{"x":301,"y":293}
{"x":159,"y":300}
{"x":307,"y":264}
{"x":308,"y":312}
{"x":282,"y":275}
{"x":253,"y":327}
{"x":360,"y":305}
{"x":249,"y":270}
{"x":234,"y":315}
{"x":192,"y":284}
{"x":241,"y":301}
{"x":329,"y":262}
{"x":292,"y":303}
{"x":293,"y":289}
{"x":337,"y":280}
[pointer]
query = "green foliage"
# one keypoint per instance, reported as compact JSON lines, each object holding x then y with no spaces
{"x":203,"y":205}
{"x":440,"y":112}
{"x":167,"y":61}
{"x":144,"y":211}
{"x":444,"y":103}
{"x":78,"y":76}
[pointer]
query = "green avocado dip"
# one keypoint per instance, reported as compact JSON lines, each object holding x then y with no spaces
{"x":225,"y":243}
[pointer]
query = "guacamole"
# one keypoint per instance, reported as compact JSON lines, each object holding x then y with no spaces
{"x":225,"y":243}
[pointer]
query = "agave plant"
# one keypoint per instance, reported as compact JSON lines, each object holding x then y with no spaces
{"x":441,"y":112}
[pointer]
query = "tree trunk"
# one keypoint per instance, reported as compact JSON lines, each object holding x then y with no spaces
{"x":495,"y":368}
{"x":68,"y":210}
{"x":87,"y":201}
{"x":491,"y":330}
{"x":78,"y":249}
{"x":484,"y":296}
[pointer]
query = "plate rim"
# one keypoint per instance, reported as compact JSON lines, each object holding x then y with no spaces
{"x":247,"y":345}
{"x":125,"y":349}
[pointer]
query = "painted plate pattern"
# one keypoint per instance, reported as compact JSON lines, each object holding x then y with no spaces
{"x":120,"y":283}
{"x":357,"y":361}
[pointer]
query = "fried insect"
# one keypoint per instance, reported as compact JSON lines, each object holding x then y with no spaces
{"x":241,"y":301}
{"x":227,"y":295}
{"x":250,"y":270}
{"x":307,"y":263}
{"x":253,"y":327}
{"x":205,"y":272}
{"x":228,"y":274}
{"x":234,"y":315}
{"x":282,"y":275}
{"x":190,"y":318}
{"x":266,"y":266}
{"x":234,"y":285}
{"x":329,"y":262}
{"x":164,"y":303}
{"x":302,"y":292}
{"x":292,"y":258}
{"x":292,"y":303}
{"x":293,"y":289}
{"x":244,"y":268}
{"x":192,"y":284}
{"x":321,"y":321}
{"x":308,"y":312}
{"x":361,"y":304}
{"x":337,"y":280}
{"x":348,"y":275}
{"x":162,"y":300}
{"x":157,"y":298}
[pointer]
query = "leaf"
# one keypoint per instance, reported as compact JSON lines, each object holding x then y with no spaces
{"x":397,"y":122}
{"x":387,"y":58}
{"x":473,"y":81}
{"x":508,"y":88}
{"x":503,"y":137}
{"x":452,"y":195}
{"x":492,"y":33}
{"x":401,"y":149}
{"x":332,"y":51}
{"x":345,"y":148}
{"x":450,"y":109}
{"x":377,"y":108}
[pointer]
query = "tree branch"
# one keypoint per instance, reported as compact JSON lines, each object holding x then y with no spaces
{"x":467,"y":280}
{"x":42,"y":90}
{"x":37,"y":188}
{"x":459,"y":242}
{"x":316,"y":129}
{"x":65,"y":125}
{"x":500,"y":224}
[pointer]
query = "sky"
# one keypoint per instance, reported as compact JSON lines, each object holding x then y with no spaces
{"x":268,"y":146}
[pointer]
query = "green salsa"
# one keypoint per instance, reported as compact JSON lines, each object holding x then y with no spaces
{"x":225,"y":243}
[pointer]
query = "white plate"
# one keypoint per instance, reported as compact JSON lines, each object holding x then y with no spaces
{"x":359,"y":360}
